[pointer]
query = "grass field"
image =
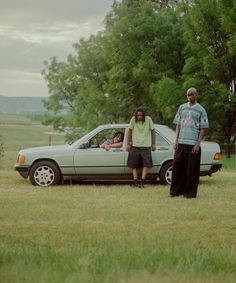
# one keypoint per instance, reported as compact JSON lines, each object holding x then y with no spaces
{"x":98,"y":233}
{"x":19,"y":132}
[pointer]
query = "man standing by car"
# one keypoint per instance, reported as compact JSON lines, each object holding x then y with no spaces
{"x":141,"y":140}
{"x":191,"y":120}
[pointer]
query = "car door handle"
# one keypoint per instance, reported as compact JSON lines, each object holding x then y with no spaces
{"x":118,"y":150}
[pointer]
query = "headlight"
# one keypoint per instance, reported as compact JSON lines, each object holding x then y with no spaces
{"x":21,"y":159}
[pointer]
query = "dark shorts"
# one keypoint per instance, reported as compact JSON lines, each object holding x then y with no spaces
{"x":139,"y":157}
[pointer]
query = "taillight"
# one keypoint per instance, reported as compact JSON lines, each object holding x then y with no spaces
{"x":217,"y":156}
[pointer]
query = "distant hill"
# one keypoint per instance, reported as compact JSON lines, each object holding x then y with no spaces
{"x":21,"y":105}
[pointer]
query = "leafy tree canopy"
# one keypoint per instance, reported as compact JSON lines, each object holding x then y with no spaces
{"x":149,"y":53}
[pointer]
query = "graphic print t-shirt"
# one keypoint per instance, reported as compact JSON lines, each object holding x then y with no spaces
{"x":191,"y":119}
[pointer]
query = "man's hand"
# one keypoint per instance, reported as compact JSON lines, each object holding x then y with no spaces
{"x":175,"y":146}
{"x":128,"y":147}
{"x":195,"y":149}
{"x":154,"y":147}
{"x":107,"y":147}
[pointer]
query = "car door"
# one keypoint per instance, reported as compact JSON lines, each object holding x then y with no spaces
{"x":93,"y":160}
{"x":164,"y":151}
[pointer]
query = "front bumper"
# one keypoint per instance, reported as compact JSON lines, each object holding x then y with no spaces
{"x":214,"y":168}
{"x":23,"y":170}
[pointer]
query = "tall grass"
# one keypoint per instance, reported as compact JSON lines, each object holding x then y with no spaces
{"x":88,"y":233}
{"x":97,"y":233}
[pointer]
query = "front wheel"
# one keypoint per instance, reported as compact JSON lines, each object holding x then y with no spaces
{"x":44,"y":174}
{"x":165,"y":175}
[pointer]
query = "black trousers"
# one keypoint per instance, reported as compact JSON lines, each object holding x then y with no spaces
{"x":186,"y":171}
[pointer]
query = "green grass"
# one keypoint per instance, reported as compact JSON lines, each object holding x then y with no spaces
{"x":20,"y":135}
{"x":229,"y":163}
{"x":98,"y":233}
{"x":114,"y":233}
{"x":7,"y":119}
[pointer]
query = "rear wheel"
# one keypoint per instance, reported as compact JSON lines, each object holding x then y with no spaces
{"x":165,"y":175}
{"x":44,"y":174}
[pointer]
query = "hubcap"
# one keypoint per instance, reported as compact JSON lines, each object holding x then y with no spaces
{"x":44,"y":176}
{"x":168,"y":175}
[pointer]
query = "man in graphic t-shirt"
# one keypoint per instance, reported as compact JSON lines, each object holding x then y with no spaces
{"x":191,"y":120}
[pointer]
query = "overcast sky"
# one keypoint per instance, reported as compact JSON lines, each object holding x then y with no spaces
{"x":32,"y":31}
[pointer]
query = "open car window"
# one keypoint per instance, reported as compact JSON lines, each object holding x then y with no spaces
{"x":103,"y":136}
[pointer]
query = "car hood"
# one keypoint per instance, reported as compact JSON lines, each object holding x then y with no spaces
{"x":51,"y":148}
{"x":210,"y":145}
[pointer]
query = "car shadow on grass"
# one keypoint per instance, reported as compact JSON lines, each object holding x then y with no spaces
{"x":106,"y":183}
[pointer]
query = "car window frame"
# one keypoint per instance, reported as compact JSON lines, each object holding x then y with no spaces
{"x":85,"y":140}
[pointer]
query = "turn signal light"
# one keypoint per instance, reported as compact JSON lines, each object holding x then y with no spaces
{"x":217,"y":156}
{"x":21,"y":159}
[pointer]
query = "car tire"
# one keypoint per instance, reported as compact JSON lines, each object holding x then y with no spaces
{"x":166,"y":173}
{"x":44,"y":174}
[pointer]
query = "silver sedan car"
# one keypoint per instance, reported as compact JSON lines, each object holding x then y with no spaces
{"x":85,"y":160}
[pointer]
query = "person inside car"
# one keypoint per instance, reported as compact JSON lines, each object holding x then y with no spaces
{"x":116,"y":142}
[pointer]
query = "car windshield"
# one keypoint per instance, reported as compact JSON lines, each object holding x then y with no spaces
{"x":77,"y":141}
{"x":167,"y":132}
{"x":83,"y":138}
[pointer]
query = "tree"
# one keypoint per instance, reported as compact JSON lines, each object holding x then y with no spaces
{"x":168,"y":95}
{"x":145,"y":45}
{"x":93,"y":105}
{"x":63,"y":87}
{"x":118,"y":69}
{"x":211,"y":61}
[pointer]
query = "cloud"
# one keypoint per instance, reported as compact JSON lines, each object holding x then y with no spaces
{"x":44,"y":11}
{"x":28,"y":83}
{"x":34,"y":31}
{"x":52,"y":33}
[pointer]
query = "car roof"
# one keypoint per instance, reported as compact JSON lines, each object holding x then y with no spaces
{"x":126,"y":125}
{"x":163,"y":129}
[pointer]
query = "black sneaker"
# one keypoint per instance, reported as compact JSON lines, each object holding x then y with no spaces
{"x":135,"y":184}
{"x":141,"y":184}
